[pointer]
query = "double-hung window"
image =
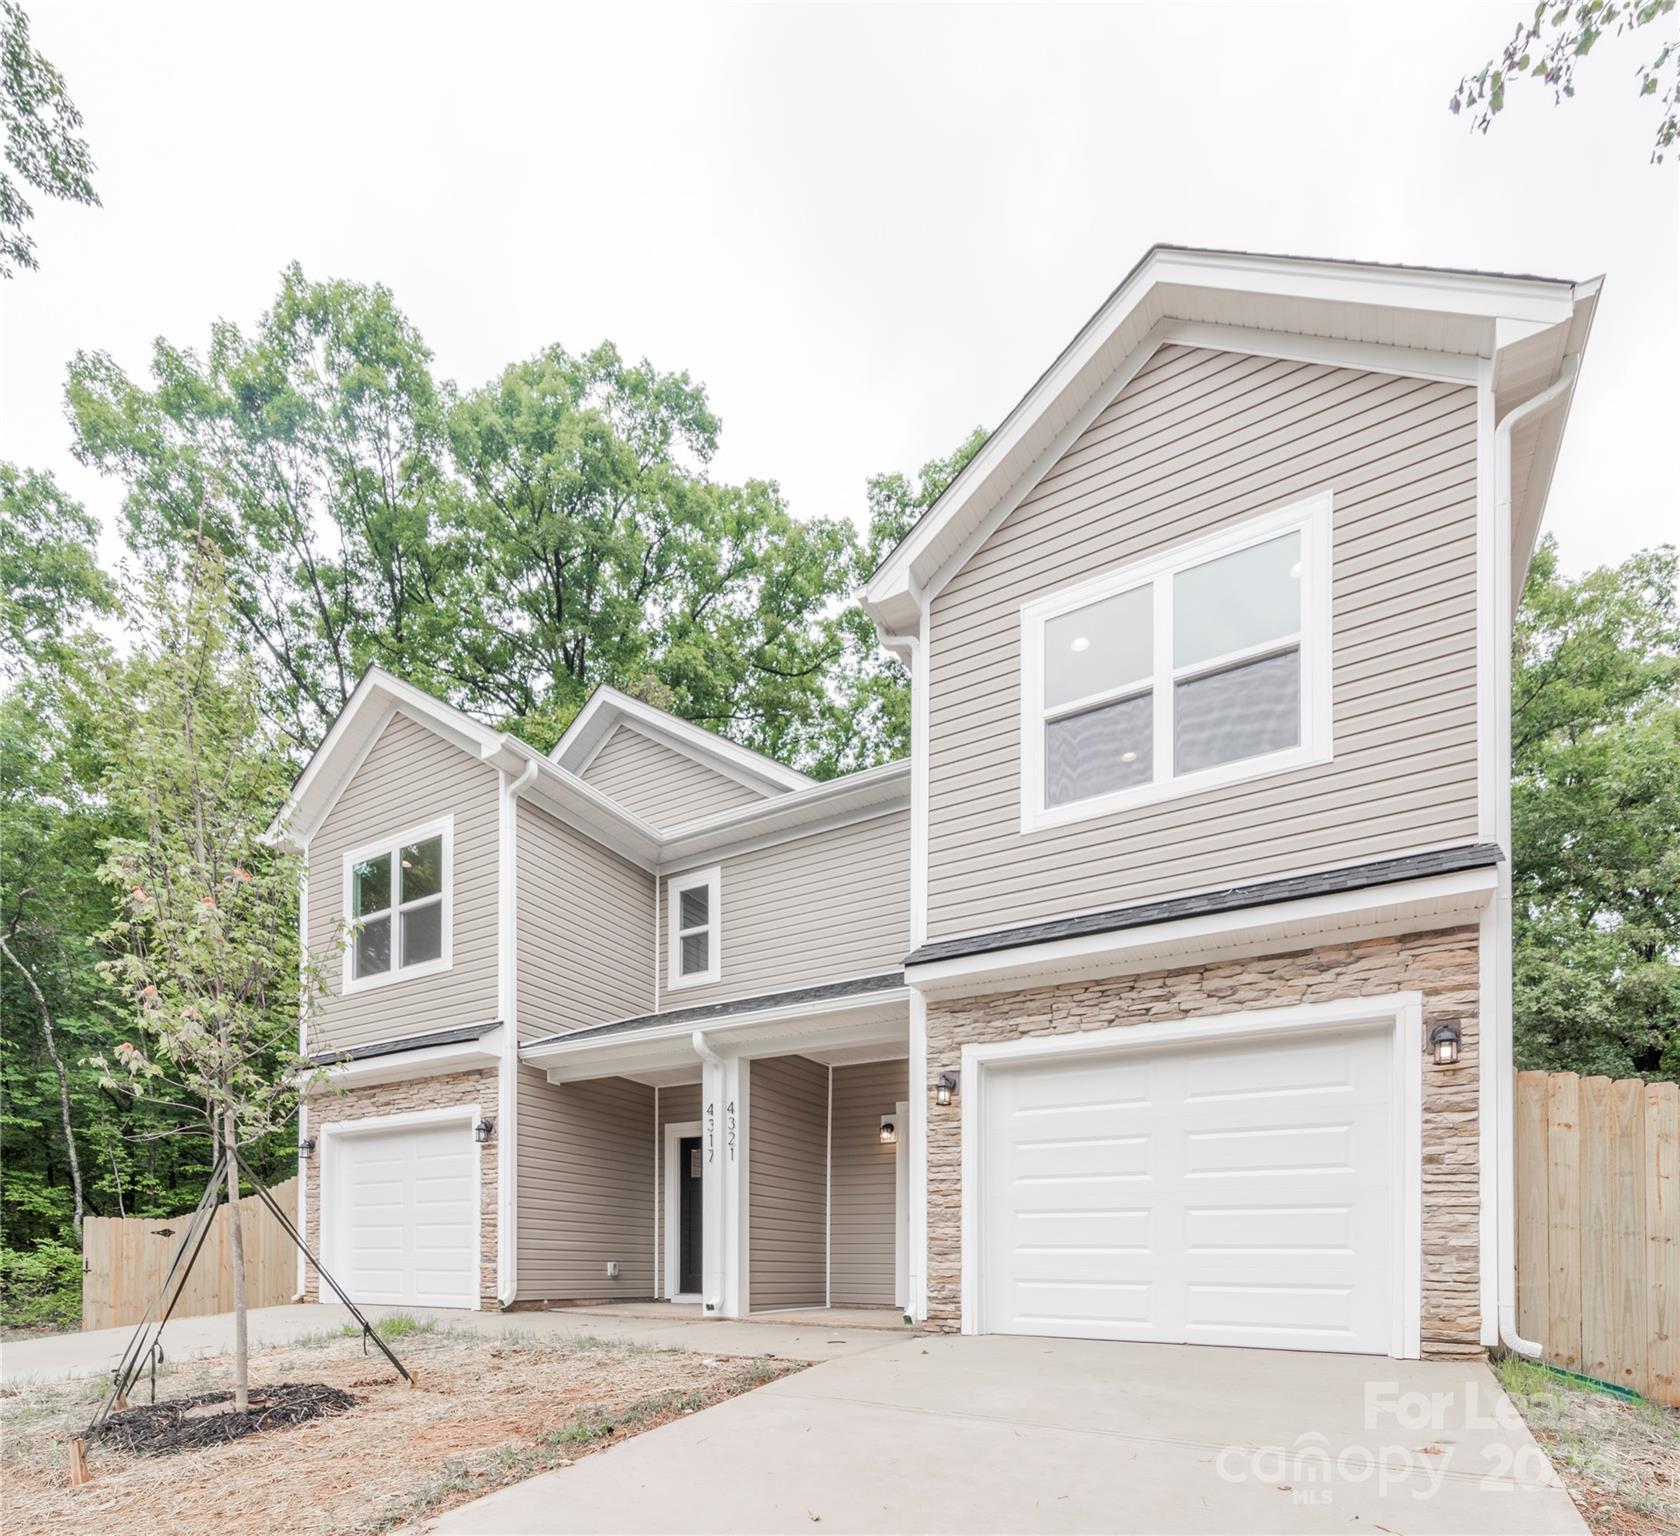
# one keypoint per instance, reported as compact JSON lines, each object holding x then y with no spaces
{"x":695,"y":926}
{"x":397,"y":895}
{"x":1203,"y":667}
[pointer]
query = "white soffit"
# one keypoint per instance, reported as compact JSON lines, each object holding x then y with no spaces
{"x":1455,"y":316}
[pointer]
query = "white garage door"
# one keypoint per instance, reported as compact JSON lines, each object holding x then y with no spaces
{"x":1231,"y":1193}
{"x":406,"y":1215}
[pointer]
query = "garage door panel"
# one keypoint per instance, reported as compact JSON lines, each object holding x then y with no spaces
{"x":407,"y":1215}
{"x":1266,"y":1152}
{"x":1248,"y":1230}
{"x":1209,"y":1194}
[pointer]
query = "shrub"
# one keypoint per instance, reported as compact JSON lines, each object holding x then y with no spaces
{"x":41,"y":1288}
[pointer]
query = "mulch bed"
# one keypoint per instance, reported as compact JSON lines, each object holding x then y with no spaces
{"x":193,"y":1423}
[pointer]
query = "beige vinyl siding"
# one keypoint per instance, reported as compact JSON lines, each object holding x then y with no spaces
{"x":410,"y":777}
{"x":828,"y":907}
{"x":787,"y":1155}
{"x":1198,"y":440}
{"x":585,"y":1189}
{"x":659,"y":784}
{"x":677,"y":1106}
{"x":585,"y":930}
{"x":863,"y":1192}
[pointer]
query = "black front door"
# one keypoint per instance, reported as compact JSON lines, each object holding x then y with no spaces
{"x":689,"y":1244}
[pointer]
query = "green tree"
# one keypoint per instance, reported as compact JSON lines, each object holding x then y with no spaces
{"x":50,"y":587}
{"x":1596,"y":817}
{"x":510,"y":548}
{"x":50,"y":582}
{"x":868,"y":705}
{"x":206,"y":960}
{"x":43,"y":139}
{"x":1550,"y":43}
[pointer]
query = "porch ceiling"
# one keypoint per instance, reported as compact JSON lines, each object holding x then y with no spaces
{"x":835,"y":1032}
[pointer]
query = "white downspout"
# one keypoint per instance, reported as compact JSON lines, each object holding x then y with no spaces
{"x":1500,"y":1048}
{"x":507,"y":1085}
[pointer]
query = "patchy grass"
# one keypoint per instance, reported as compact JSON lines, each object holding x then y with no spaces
{"x":488,"y":1410}
{"x":398,"y":1325}
{"x":1620,"y":1459}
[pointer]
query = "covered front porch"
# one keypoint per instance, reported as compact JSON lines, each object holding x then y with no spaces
{"x":781,"y":1140}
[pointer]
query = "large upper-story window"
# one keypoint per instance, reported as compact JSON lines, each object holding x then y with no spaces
{"x":397,"y":895}
{"x":695,"y":926}
{"x":1202,"y":667}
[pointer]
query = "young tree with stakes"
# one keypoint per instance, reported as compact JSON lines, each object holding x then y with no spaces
{"x":208,"y":953}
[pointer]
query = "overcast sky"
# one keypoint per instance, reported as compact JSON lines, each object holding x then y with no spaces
{"x":865,"y":229}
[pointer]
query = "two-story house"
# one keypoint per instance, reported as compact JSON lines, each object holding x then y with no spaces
{"x":1162,"y":993}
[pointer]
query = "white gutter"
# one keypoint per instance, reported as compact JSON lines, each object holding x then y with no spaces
{"x":507,"y":1079}
{"x":1499,"y":1048}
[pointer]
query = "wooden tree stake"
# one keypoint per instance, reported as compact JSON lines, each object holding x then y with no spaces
{"x":79,"y":1473}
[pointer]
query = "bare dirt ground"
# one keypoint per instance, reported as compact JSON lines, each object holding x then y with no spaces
{"x":1620,"y":1459}
{"x":486,"y":1412}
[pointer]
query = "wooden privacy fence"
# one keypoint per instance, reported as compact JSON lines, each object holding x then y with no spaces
{"x":124,"y":1260}
{"x":1598,"y":1227}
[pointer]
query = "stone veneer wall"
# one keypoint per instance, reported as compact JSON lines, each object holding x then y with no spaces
{"x":1442,"y":966}
{"x":395,"y":1098}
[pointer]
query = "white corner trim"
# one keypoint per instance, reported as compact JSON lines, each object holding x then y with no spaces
{"x":675,"y":1130}
{"x":1310,"y":517}
{"x":1400,"y":1012}
{"x":333,"y":1132}
{"x":711,"y":879}
{"x":442,"y":826}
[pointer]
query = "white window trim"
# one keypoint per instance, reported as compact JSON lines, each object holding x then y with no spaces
{"x":675,"y":1130}
{"x":712,"y":879}
{"x":1400,"y":1013}
{"x":1311,"y":519}
{"x":443,"y":827}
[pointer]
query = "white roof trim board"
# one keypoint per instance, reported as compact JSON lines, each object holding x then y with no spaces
{"x":1527,"y":326}
{"x":608,"y":708}
{"x":559,"y":790}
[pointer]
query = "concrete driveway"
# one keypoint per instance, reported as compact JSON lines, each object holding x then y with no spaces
{"x":1012,"y":1434}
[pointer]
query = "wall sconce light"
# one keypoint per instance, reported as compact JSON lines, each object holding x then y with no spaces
{"x":482,"y":1131}
{"x":1444,"y":1041}
{"x":889,"y":1130}
{"x":307,"y":1146}
{"x":945,"y":1089}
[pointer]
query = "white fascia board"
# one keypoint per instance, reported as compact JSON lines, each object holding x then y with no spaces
{"x":607,"y":707}
{"x":891,"y":594}
{"x":1344,"y":916}
{"x":376,"y":698}
{"x":429,"y":1061}
{"x":854,"y":1020}
{"x":1526,"y":518}
{"x":831,"y":803}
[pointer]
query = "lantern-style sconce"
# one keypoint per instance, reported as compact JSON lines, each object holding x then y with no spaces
{"x":483,"y":1130}
{"x":889,"y":1130}
{"x":945,"y":1089}
{"x":306,"y":1147}
{"x":1444,"y":1041}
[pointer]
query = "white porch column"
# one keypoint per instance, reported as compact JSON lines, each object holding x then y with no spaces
{"x":725,"y":1084}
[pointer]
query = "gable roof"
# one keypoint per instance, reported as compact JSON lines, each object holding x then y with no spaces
{"x":608,"y":708}
{"x":1426,"y":321}
{"x":379,"y":696}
